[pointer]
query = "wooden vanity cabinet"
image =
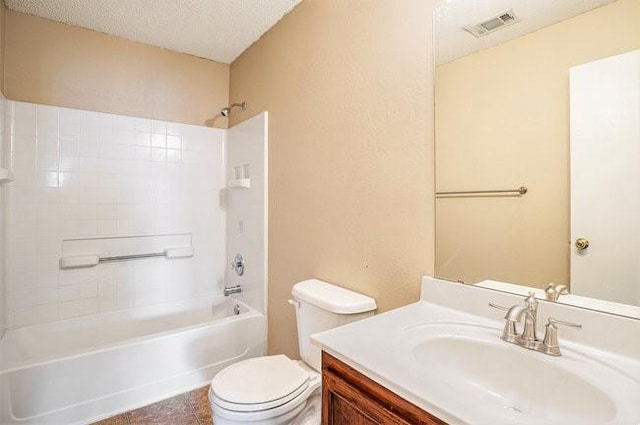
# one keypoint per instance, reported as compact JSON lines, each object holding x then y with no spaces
{"x":350,"y":398}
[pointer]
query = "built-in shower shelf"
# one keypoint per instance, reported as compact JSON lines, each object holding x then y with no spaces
{"x":5,"y":176}
{"x":240,"y":183}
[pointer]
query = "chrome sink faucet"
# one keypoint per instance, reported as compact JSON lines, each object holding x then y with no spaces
{"x":552,"y":292}
{"x":528,"y":338}
{"x":529,"y":311}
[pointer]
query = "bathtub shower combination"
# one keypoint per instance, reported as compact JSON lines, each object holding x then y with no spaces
{"x":83,"y":368}
{"x":88,"y":331}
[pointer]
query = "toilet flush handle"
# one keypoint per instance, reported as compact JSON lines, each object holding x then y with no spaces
{"x":294,"y":303}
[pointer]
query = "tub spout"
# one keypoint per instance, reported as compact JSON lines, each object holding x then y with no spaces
{"x":230,"y":290}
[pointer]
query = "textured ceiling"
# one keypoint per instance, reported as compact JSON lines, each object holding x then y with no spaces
{"x":453,"y":42}
{"x":214,"y":29}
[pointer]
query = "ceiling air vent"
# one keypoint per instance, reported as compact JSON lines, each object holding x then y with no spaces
{"x":493,"y":24}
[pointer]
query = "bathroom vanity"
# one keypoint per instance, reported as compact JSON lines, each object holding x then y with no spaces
{"x":349,"y":397}
{"x":442,"y":360}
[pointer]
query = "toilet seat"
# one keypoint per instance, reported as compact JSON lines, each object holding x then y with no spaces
{"x":259,"y":384}
{"x":290,"y":409}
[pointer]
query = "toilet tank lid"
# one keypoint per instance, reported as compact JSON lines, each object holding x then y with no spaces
{"x":332,"y":298}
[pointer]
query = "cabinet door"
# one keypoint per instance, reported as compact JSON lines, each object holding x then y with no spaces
{"x":345,"y":405}
{"x":350,"y":398}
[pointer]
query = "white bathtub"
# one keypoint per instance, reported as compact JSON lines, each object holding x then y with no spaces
{"x":88,"y":368}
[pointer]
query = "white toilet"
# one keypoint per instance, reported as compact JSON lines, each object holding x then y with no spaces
{"x":275,"y":390}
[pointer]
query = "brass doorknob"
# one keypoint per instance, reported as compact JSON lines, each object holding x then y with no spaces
{"x":582,"y":243}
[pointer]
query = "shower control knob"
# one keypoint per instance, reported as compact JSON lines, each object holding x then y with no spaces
{"x":238,"y":264}
{"x":582,"y":244}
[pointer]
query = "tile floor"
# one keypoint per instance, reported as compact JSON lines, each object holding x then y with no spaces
{"x":190,"y":408}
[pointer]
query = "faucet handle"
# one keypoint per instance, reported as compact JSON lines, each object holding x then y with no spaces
{"x":530,"y":302}
{"x":555,"y":321}
{"x":498,"y":306}
{"x":550,"y":342}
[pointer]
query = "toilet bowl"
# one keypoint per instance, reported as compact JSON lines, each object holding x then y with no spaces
{"x":274,"y":390}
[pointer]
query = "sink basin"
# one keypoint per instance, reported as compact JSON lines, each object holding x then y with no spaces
{"x":444,"y":354}
{"x":470,"y":364}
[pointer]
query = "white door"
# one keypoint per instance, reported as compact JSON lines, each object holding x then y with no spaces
{"x":605,"y":178}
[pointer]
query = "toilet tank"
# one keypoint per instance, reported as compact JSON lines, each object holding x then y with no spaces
{"x":321,"y":306}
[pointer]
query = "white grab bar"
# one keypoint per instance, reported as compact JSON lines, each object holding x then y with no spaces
{"x":76,"y":261}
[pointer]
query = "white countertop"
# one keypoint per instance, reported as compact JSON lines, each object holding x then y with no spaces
{"x":369,"y":347}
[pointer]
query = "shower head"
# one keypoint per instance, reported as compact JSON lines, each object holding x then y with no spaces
{"x":227,"y":109}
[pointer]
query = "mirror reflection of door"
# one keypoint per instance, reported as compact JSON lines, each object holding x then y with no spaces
{"x":605,"y":178}
{"x":502,"y":114}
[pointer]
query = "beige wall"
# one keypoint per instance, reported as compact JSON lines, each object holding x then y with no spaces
{"x":3,"y":19}
{"x":2,"y":196}
{"x":502,"y":120}
{"x":52,"y":63}
{"x":348,"y":87}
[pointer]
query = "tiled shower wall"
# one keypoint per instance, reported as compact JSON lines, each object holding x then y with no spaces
{"x":86,"y":174}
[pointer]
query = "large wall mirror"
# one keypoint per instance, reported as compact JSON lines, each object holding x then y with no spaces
{"x":538,"y":147}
